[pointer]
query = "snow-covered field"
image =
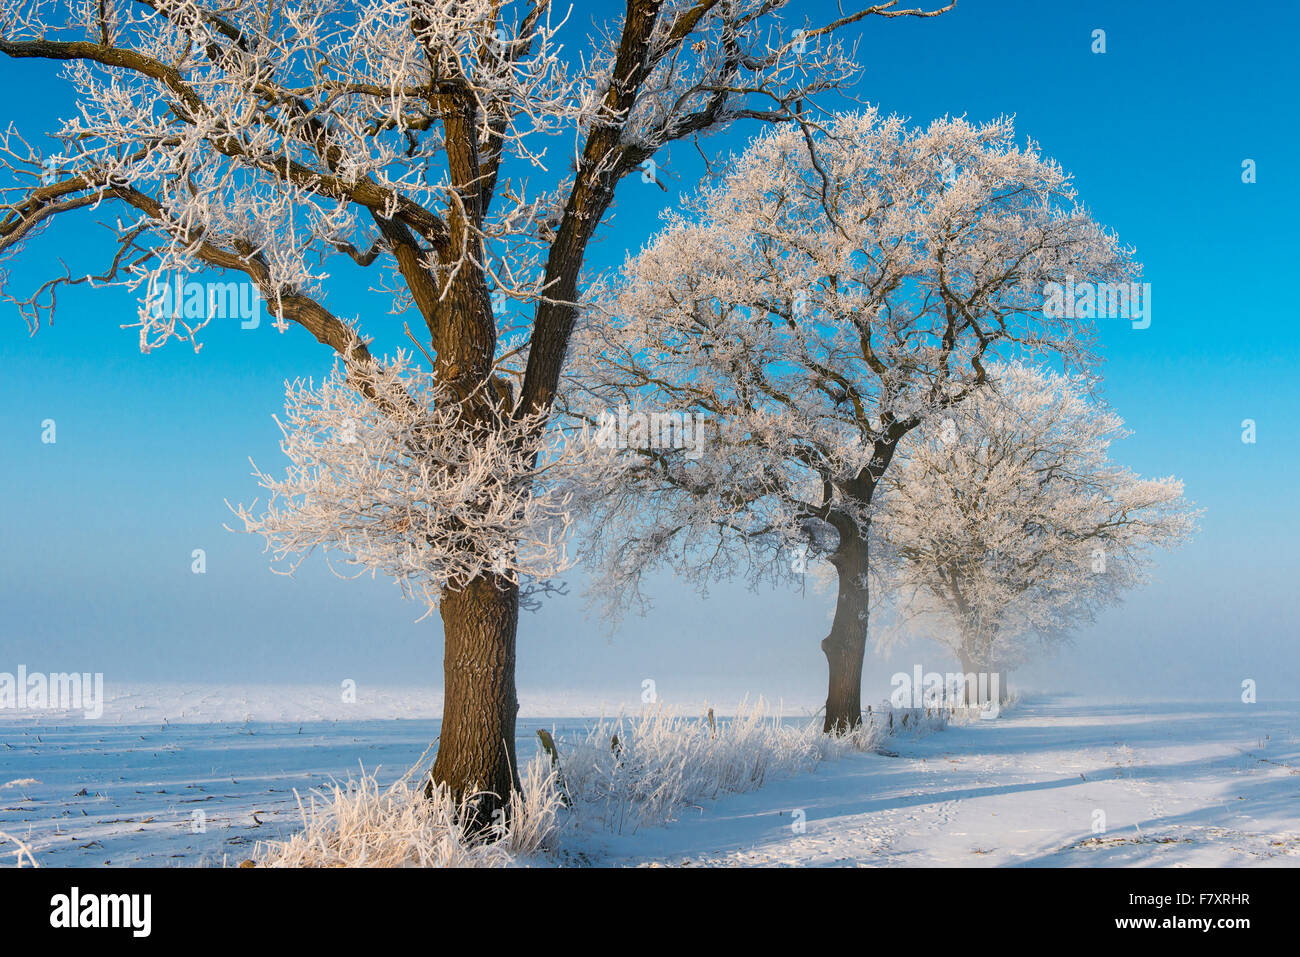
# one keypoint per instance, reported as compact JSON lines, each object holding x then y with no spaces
{"x":198,"y":776}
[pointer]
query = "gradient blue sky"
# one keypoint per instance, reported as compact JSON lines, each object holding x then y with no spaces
{"x":97,"y":530}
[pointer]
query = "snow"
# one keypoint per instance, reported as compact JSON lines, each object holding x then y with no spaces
{"x":189,"y":703}
{"x":1180,"y":784}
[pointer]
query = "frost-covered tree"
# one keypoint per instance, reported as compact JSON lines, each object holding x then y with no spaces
{"x":825,"y":295}
{"x":462,"y":154}
{"x":396,"y":481}
{"x":1006,"y":524}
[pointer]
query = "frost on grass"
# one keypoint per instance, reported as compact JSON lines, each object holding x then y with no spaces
{"x":358,"y":825}
{"x":624,"y":773}
{"x":634,"y":771}
{"x":22,"y":856}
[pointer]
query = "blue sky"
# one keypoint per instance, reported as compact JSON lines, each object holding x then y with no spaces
{"x":97,"y":529}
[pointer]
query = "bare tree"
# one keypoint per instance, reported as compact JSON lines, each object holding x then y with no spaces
{"x":1010,"y":525}
{"x":266,"y":139}
{"x":828,"y":294}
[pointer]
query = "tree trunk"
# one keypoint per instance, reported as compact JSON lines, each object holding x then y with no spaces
{"x":980,"y":693}
{"x":476,"y":750}
{"x":846,"y":645}
{"x":1004,"y":687}
{"x":970,"y":680}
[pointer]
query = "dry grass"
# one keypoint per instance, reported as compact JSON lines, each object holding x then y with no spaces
{"x":23,"y":850}
{"x":663,"y":761}
{"x":358,"y":825}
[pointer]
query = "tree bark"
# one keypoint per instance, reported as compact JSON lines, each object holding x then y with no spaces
{"x":970,"y":669}
{"x":846,"y":645}
{"x":1004,"y":675}
{"x":973,"y":667}
{"x":476,"y":750}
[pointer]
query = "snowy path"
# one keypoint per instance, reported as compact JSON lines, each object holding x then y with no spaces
{"x":1215,"y":785}
{"x":1177,"y":784}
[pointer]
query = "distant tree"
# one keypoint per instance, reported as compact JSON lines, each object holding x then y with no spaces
{"x":271,"y":139}
{"x":1009,"y":525}
{"x":828,"y":293}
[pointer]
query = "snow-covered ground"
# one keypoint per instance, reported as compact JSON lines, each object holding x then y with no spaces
{"x":1173,"y":784}
{"x":157,"y":704}
{"x":1177,"y":784}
